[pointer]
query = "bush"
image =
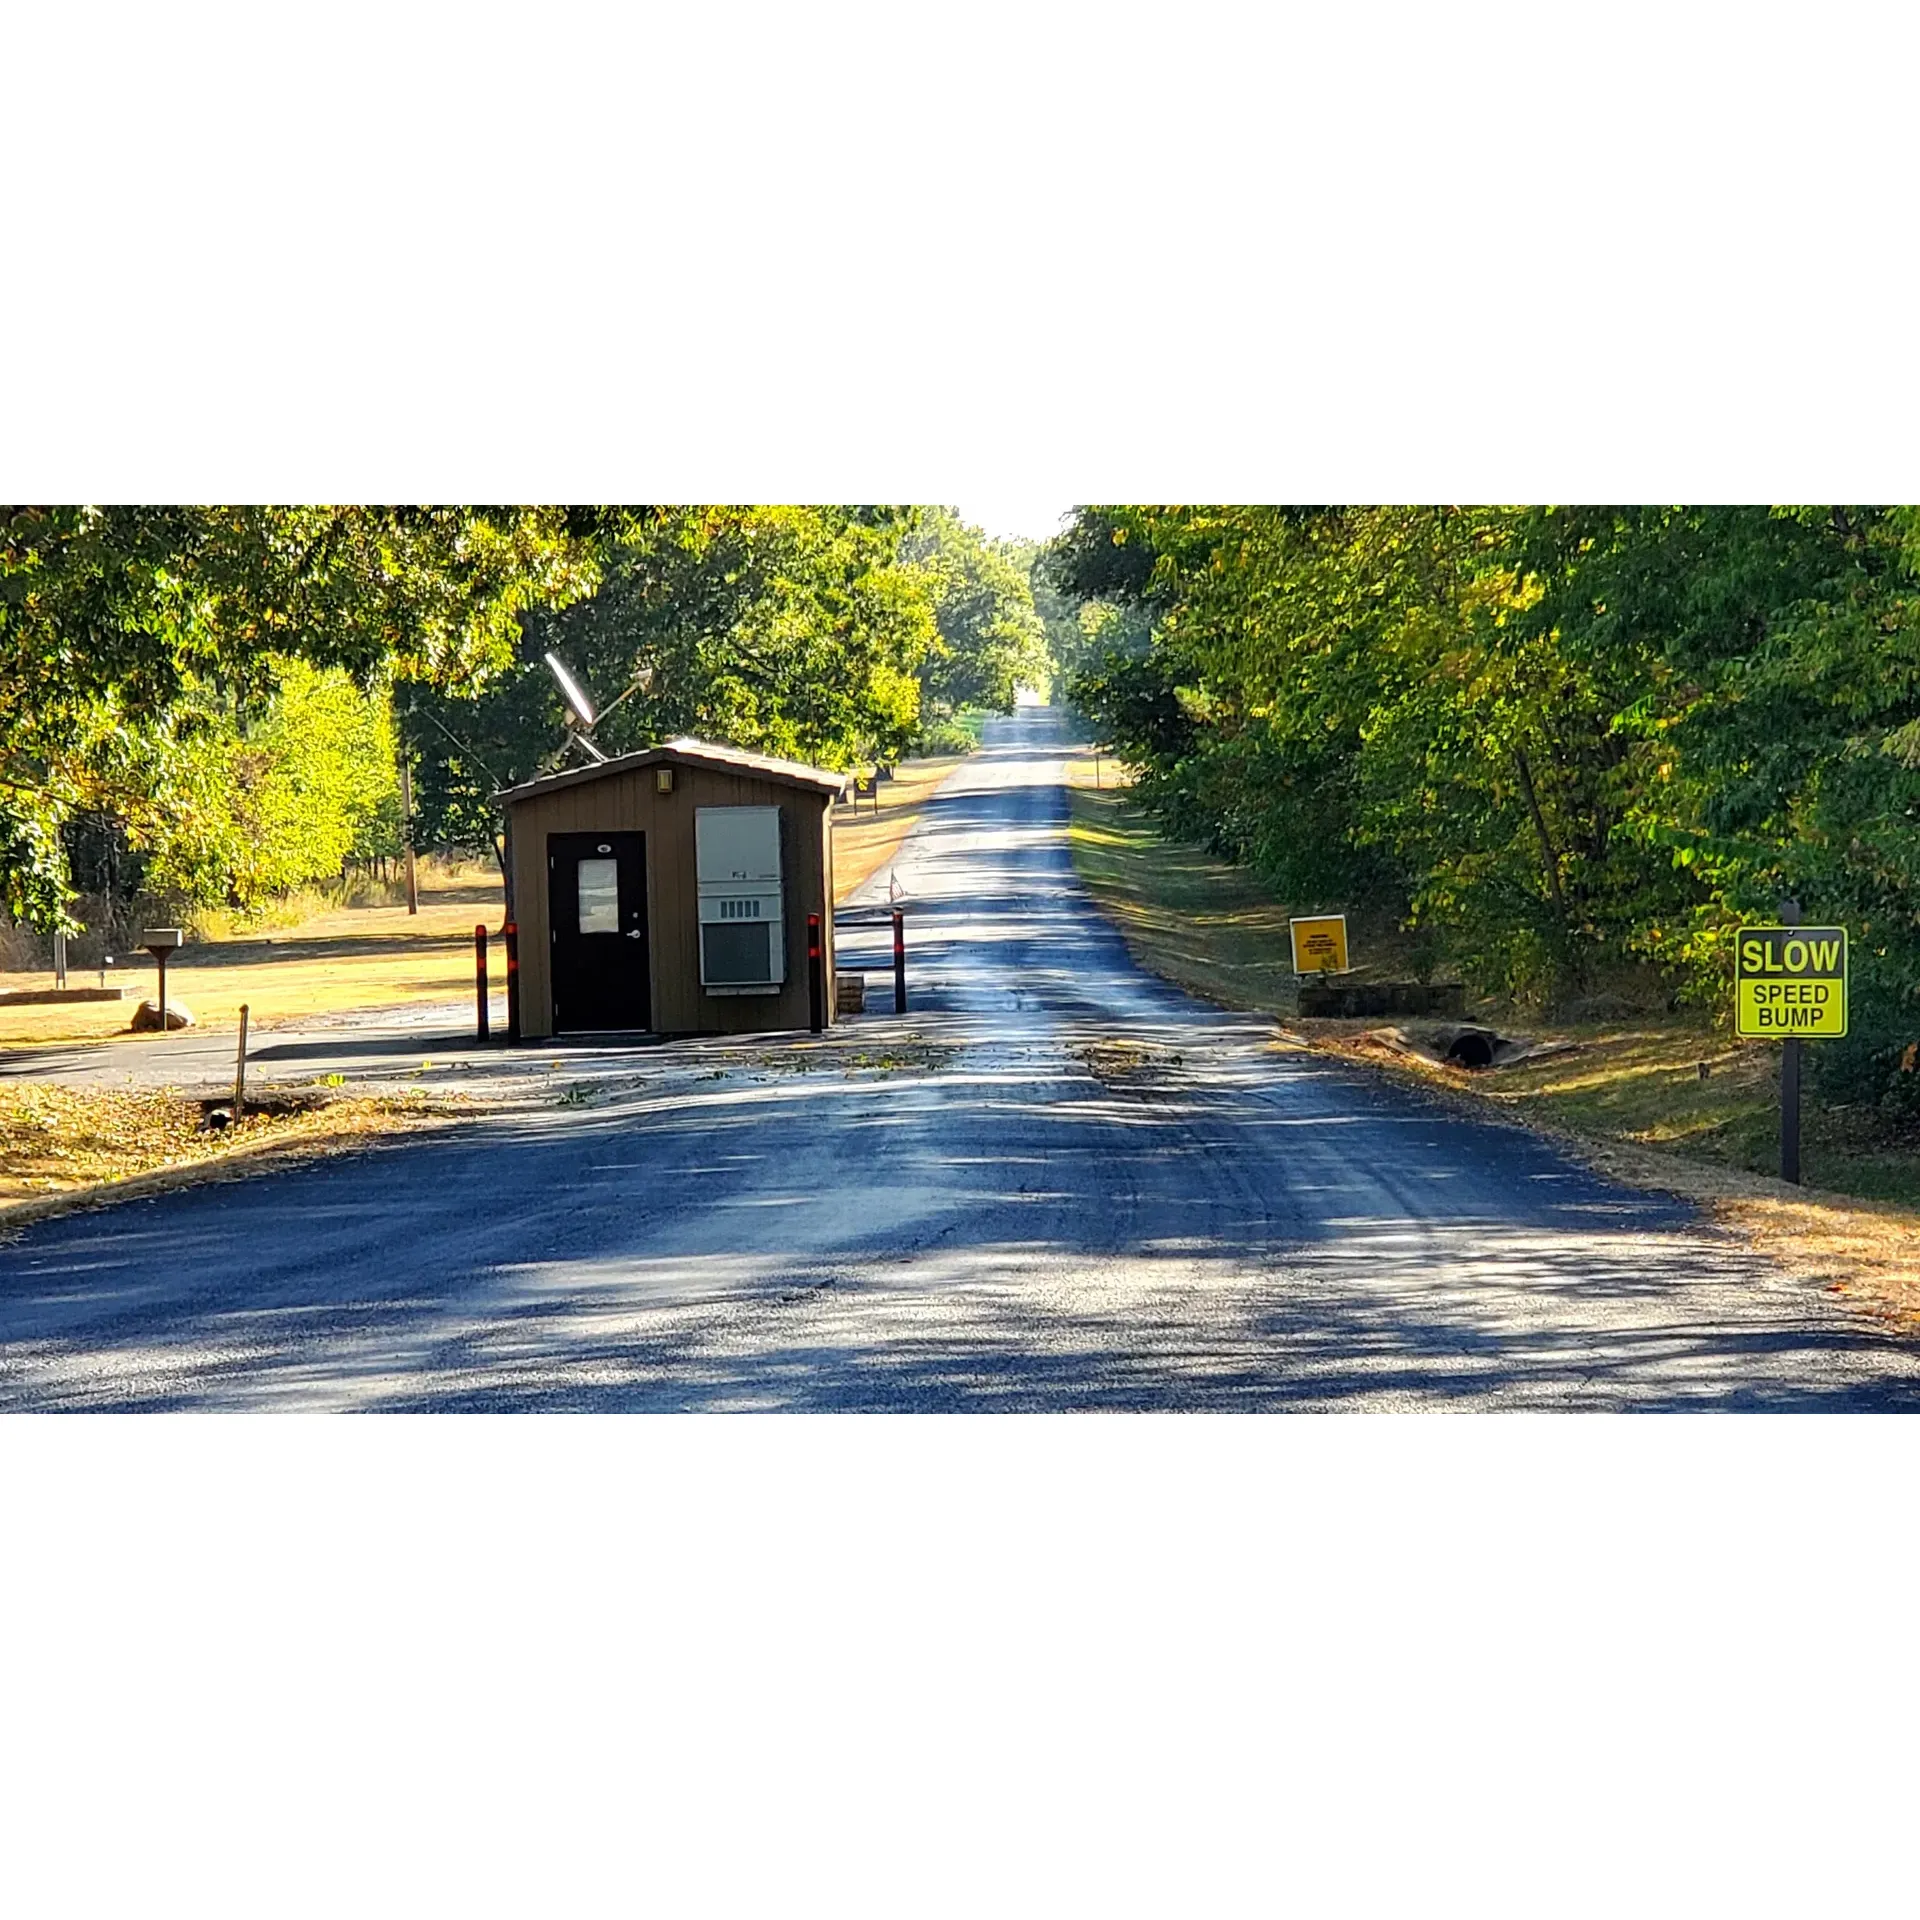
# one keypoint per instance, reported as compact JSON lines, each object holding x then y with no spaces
{"x":1878,"y":1064}
{"x":945,"y":736}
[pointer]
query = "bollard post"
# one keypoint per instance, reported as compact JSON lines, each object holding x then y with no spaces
{"x":816,"y":996}
{"x":480,"y":973}
{"x":240,"y":1068}
{"x":510,"y":933}
{"x":899,"y":961}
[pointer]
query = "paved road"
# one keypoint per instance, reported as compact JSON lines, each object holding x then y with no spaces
{"x":1055,"y":1183}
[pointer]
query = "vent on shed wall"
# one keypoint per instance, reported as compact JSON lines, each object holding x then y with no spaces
{"x":743,"y":946}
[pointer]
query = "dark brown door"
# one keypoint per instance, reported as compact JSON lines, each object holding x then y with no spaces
{"x":597,"y":910}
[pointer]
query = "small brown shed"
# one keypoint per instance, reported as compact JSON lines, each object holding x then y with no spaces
{"x":669,"y":890}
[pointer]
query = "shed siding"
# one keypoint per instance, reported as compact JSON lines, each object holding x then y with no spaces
{"x":630,"y":803}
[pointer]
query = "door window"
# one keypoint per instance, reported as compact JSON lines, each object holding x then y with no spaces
{"x":599,"y":896}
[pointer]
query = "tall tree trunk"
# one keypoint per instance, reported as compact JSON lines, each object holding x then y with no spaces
{"x":1549,"y":857}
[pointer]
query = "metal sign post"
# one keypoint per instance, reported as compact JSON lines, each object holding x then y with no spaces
{"x":1790,"y":984}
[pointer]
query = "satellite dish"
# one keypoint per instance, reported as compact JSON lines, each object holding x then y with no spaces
{"x":581,"y":706}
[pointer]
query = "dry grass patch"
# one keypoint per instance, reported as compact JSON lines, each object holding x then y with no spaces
{"x":868,"y":834}
{"x":1207,"y":925}
{"x":343,"y":959}
{"x":57,"y":1140}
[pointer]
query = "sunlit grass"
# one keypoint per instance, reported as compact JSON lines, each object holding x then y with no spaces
{"x":867,"y":834}
{"x":58,"y":1139}
{"x":1214,"y":929}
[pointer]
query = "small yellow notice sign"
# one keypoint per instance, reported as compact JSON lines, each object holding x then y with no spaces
{"x":1790,"y":983}
{"x":1319,"y":943}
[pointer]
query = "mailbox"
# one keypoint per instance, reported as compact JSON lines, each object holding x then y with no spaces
{"x":161,"y":941}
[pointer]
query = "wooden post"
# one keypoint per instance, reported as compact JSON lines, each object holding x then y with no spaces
{"x":60,"y":961}
{"x":1790,"y":1080}
{"x":480,"y":974}
{"x":899,"y":961}
{"x":240,"y":1067}
{"x":160,"y":960}
{"x":406,"y":830}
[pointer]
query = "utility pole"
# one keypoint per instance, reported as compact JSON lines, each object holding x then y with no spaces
{"x":406,"y":830}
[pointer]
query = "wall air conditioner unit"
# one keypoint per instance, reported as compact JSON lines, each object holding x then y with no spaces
{"x":743,"y":924}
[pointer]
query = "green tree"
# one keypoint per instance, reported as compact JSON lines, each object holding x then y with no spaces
{"x":1566,"y":740}
{"x":286,"y":788}
{"x":796,"y":631}
{"x":123,"y":629}
{"x":991,"y":642}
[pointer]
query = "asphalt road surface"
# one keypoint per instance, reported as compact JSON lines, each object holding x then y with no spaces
{"x":1055,"y":1182}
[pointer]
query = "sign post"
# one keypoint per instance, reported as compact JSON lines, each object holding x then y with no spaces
{"x":1790,"y":984}
{"x":1319,"y":943}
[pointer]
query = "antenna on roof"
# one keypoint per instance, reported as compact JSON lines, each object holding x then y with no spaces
{"x":581,"y":706}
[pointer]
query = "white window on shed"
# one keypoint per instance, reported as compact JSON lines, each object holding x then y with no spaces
{"x":742,"y":900}
{"x":737,"y":846}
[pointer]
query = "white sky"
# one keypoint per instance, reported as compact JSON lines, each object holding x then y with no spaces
{"x":1013,"y":519}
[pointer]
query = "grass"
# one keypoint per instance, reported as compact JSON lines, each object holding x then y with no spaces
{"x":1214,"y":928}
{"x":867,"y":833}
{"x":1630,"y":1092}
{"x":57,"y":1140}
{"x":356,"y":947}
{"x":342,"y":958}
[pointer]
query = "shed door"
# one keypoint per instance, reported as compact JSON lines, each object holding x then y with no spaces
{"x":597,"y":913}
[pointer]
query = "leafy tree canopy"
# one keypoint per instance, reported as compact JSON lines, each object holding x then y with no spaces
{"x":1565,"y":740}
{"x":991,"y":641}
{"x":125,"y":632}
{"x":796,"y":631}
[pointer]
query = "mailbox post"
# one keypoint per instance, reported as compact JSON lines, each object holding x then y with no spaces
{"x":160,"y":942}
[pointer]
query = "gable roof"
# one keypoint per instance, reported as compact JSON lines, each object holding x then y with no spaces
{"x":690,"y":753}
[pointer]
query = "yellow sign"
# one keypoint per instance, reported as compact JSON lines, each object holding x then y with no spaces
{"x":1319,"y":943}
{"x":1790,"y":983}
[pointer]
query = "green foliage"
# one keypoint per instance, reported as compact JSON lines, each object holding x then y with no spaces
{"x":795,"y":631}
{"x":946,"y":736}
{"x":1566,"y":741}
{"x":126,"y":633}
{"x":283,"y":793}
{"x":990,"y":640}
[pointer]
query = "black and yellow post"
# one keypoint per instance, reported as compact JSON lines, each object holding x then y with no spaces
{"x":1790,"y":984}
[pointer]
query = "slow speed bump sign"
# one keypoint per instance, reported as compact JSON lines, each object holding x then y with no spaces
{"x":1790,"y":983}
